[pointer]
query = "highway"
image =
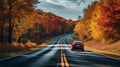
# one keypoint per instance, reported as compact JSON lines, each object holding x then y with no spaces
{"x":59,"y":54}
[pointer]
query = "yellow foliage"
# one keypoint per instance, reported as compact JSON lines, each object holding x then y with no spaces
{"x":93,"y":23}
{"x":94,"y":26}
{"x":21,"y":26}
{"x":89,"y":26}
{"x":82,"y":29}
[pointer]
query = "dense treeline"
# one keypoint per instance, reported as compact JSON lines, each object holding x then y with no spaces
{"x":101,"y":21}
{"x":20,"y":22}
{"x":48,"y":24}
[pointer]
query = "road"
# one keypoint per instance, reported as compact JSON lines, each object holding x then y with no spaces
{"x":59,"y":54}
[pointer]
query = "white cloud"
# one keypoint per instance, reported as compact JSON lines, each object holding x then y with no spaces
{"x":65,"y":8}
{"x":65,"y":3}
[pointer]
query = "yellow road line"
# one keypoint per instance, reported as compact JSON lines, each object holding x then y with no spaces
{"x":64,"y":62}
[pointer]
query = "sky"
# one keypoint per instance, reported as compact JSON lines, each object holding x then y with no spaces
{"x":69,"y":9}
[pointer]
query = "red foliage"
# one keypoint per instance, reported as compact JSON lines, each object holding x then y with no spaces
{"x":53,"y":24}
{"x":110,"y":15}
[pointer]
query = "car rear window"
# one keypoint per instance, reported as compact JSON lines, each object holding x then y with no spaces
{"x":77,"y":43}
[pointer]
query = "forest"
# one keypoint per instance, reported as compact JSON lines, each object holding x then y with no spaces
{"x":21,"y":22}
{"x":101,"y":22}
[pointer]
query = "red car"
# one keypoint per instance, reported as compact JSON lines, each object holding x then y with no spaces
{"x":77,"y":45}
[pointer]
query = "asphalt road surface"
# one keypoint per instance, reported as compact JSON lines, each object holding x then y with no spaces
{"x":59,"y":54}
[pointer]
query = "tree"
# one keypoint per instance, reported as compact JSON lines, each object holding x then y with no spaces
{"x":79,"y":17}
{"x":96,"y":30}
{"x":3,"y":16}
{"x":101,"y":21}
{"x":110,"y":19}
{"x":15,"y":11}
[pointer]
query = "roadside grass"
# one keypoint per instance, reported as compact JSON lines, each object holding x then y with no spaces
{"x":9,"y":50}
{"x":111,"y":49}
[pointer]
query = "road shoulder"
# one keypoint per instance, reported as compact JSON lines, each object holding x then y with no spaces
{"x":102,"y":49}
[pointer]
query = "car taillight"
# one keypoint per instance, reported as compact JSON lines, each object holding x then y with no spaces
{"x":72,"y":44}
{"x":82,"y":46}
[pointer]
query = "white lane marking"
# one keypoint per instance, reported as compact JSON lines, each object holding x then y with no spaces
{"x":44,"y":58}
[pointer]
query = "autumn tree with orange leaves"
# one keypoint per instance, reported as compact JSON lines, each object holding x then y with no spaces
{"x":101,"y":20}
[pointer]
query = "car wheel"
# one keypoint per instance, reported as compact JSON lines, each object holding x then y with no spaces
{"x":72,"y":49}
{"x":82,"y":49}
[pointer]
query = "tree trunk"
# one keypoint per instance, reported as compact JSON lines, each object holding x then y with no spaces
{"x":2,"y":29}
{"x":10,"y":22}
{"x":19,"y":40}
